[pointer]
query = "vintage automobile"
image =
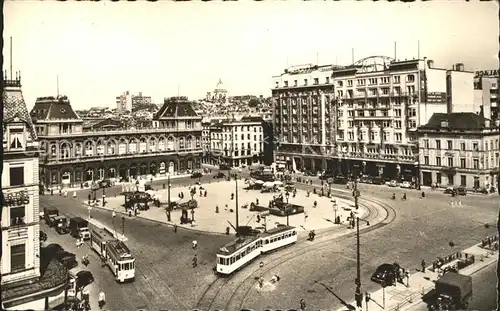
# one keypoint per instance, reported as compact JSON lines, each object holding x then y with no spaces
{"x":197,"y":175}
{"x":385,"y":274}
{"x":219,"y":175}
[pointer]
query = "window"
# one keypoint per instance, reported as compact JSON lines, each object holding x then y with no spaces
{"x":349,"y":82}
{"x":462,"y":146}
{"x":17,"y":215}
{"x":426,"y":160}
{"x":327,"y":80}
{"x":16,"y":138}
{"x":475,"y":163}
{"x":438,"y":161}
{"x":411,"y":78}
{"x":475,"y":146}
{"x":450,"y":144}
{"x":438,"y":178}
{"x":316,"y":81}
{"x":286,"y":83}
{"x":305,"y":81}
{"x":438,"y":144}
{"x":17,"y":176}
{"x":18,"y":257}
{"x":295,"y":83}
{"x":397,"y":79}
{"x":450,"y":162}
{"x":397,"y":112}
{"x":463,"y":180}
{"x":462,"y":163}
{"x":426,"y":143}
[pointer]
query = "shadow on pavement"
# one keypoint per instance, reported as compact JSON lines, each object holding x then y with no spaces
{"x":342,"y":301}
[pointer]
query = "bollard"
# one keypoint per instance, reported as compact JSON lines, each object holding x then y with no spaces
{"x":411,"y":298}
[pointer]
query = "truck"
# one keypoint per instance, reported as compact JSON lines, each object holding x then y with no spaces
{"x":61,"y":224}
{"x":452,"y":292}
{"x":79,"y":228}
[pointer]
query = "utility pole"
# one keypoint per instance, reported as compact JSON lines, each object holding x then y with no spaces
{"x":11,"y":58}
{"x":169,"y":209}
{"x":358,"y":295}
{"x":237,"y":218}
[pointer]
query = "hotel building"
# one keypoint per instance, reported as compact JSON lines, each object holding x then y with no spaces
{"x":74,"y":154}
{"x":486,"y":92}
{"x":28,"y":282}
{"x":360,"y":118}
{"x":460,"y":149}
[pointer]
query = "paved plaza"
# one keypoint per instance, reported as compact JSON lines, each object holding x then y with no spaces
{"x":219,"y":194}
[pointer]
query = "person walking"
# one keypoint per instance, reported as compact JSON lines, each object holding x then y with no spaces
{"x":102,"y":299}
{"x":302,"y":305}
{"x":423,"y":265}
{"x":175,"y":228}
{"x":195,"y":261}
{"x":195,"y":244}
{"x":113,"y":214}
{"x":407,"y":276}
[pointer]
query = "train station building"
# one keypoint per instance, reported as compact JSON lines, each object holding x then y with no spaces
{"x":74,"y":153}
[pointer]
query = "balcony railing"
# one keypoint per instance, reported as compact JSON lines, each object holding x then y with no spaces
{"x":17,"y":221}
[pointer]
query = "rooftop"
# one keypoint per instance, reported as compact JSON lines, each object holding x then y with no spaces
{"x":14,"y":105}
{"x":175,"y":108}
{"x":53,"y":108}
{"x":460,"y":121}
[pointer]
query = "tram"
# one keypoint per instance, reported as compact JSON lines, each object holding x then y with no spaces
{"x":116,"y":254}
{"x":245,"y":249}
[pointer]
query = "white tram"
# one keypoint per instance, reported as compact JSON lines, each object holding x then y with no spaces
{"x":240,"y":252}
{"x":116,"y":253}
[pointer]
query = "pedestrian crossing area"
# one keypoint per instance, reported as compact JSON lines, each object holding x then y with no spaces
{"x":457,"y":204}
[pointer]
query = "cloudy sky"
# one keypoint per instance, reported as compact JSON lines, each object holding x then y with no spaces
{"x":99,"y":50}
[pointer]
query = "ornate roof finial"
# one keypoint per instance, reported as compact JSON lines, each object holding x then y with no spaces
{"x":19,"y":75}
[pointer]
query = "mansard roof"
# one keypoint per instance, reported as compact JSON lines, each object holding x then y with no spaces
{"x":456,"y":121}
{"x":175,"y":108}
{"x":14,"y":106}
{"x":53,"y":108}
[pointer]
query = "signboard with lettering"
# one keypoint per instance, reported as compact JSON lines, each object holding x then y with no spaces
{"x":486,"y":73}
{"x":436,"y":97}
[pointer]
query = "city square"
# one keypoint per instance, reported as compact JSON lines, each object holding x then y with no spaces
{"x":222,"y":165}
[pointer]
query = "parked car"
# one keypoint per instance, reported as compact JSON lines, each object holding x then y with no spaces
{"x":67,"y":259}
{"x":378,"y":181}
{"x":460,"y":191}
{"x":393,"y":183}
{"x":219,"y":175}
{"x":84,"y":278}
{"x":366,"y":179}
{"x":43,"y":236}
{"x":105,"y":183}
{"x":196,"y":175}
{"x":405,"y":184}
{"x":224,"y":167}
{"x":340,"y":180}
{"x":385,"y":273}
{"x":326,"y":176}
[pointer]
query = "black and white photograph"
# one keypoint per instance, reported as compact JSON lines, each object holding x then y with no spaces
{"x":250,"y":155}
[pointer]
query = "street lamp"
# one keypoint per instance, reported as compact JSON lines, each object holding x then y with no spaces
{"x":356,"y":193}
{"x":169,"y":208}
{"x":287,"y":195}
{"x":335,"y":209}
{"x":103,"y":195}
{"x":367,"y":299}
{"x":358,"y":295}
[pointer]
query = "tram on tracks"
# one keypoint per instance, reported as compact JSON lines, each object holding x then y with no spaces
{"x":116,"y":254}
{"x":245,"y":249}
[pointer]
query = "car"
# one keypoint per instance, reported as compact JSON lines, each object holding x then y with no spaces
{"x":378,"y":181}
{"x":219,"y":175}
{"x":84,"y":278}
{"x":105,"y":183}
{"x":365,"y":179}
{"x":385,"y":274}
{"x":393,"y":183}
{"x":460,"y":191}
{"x":196,"y":175}
{"x":53,"y":248}
{"x":326,"y":176}
{"x":43,"y":236}
{"x":67,"y":259}
{"x":340,"y":180}
{"x":405,"y":184}
{"x":224,"y":167}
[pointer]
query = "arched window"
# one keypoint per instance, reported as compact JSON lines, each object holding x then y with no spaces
{"x":189,"y":142}
{"x":161,"y":144}
{"x":182,"y":144}
{"x":111,"y":147}
{"x":53,"y":150}
{"x":142,"y":145}
{"x":170,"y":143}
{"x":78,"y":150}
{"x":132,"y":146}
{"x":122,"y":146}
{"x":89,"y":148}
{"x":152,"y":144}
{"x":65,"y":151}
{"x":100,"y":147}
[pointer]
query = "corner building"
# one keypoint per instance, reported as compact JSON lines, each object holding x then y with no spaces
{"x":74,"y":154}
{"x":26,"y":283}
{"x":359,"y":118}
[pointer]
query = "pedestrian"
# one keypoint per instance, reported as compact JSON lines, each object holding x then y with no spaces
{"x":217,"y":209}
{"x":74,"y":194}
{"x":102,"y":299}
{"x":423,"y":265}
{"x":65,"y":193}
{"x":195,"y":261}
{"x":302,"y":304}
{"x":175,"y":228}
{"x":195,"y":244}
{"x":261,"y":264}
{"x":407,"y":275}
{"x":78,"y":243}
{"x":305,"y":216}
{"x":261,"y":282}
{"x":113,"y":214}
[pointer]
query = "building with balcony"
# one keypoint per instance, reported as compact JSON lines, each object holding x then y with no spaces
{"x":486,"y":92}
{"x":27,"y":281}
{"x":237,"y":142}
{"x":359,"y":118}
{"x":74,"y":154}
{"x":460,"y":149}
{"x":124,"y":102}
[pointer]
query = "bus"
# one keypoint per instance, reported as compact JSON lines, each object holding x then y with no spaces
{"x":120,"y":261}
{"x":116,"y":254}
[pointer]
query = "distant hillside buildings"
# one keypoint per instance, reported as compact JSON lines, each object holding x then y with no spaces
{"x":127,"y":102}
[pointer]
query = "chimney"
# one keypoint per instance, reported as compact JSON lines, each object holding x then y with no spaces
{"x":459,"y":67}
{"x":430,"y":63}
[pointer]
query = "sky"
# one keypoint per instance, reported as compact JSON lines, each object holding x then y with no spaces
{"x":99,"y":50}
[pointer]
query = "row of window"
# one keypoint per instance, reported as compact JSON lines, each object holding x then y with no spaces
{"x":450,"y":145}
{"x":242,"y":128}
{"x":463,"y":162}
{"x":242,"y":136}
{"x":360,"y":82}
{"x":463,"y":180}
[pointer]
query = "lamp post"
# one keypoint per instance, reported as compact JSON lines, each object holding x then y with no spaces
{"x":287,"y":195}
{"x":356,"y":193}
{"x":103,"y":195}
{"x":335,"y":209}
{"x":236,"y":201}
{"x":169,"y":208}
{"x":367,"y":299}
{"x":358,"y":295}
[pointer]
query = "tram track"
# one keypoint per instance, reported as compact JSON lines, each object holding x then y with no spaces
{"x":323,"y":240}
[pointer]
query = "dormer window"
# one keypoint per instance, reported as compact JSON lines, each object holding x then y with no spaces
{"x":16,"y":138}
{"x":444,"y":123}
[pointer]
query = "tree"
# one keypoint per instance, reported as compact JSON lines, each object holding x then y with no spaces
{"x":254,"y":102}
